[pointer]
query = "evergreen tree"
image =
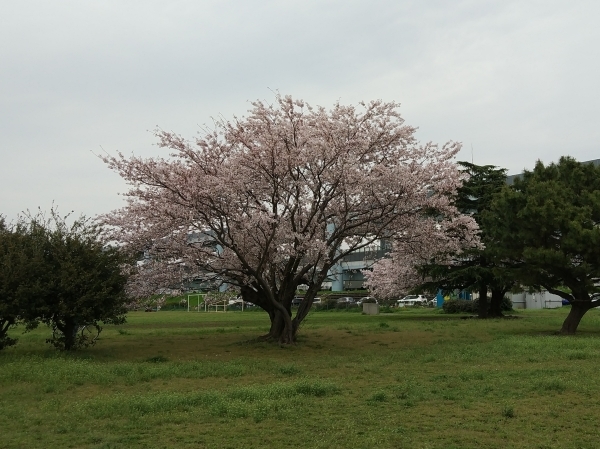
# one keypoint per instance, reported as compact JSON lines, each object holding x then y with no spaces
{"x":547,"y":225}
{"x":477,"y":269}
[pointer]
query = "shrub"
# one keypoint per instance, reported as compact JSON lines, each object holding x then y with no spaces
{"x":464,"y":306}
{"x":506,"y":305}
{"x":460,"y":306}
{"x":387,"y":302}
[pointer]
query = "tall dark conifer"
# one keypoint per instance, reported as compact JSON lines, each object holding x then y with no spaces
{"x":476,"y":269}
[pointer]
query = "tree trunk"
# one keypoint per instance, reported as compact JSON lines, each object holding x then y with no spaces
{"x":578,"y":309}
{"x":282,"y":329}
{"x":5,"y":340}
{"x":483,"y":302}
{"x":496,"y":303}
{"x":305,"y":306}
{"x":4,"y":326}
{"x":69,"y":331}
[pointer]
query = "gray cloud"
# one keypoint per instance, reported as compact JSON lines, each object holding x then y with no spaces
{"x":517,"y":80}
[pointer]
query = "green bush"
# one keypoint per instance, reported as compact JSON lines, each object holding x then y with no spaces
{"x":460,"y":306}
{"x":387,"y":302}
{"x":506,"y":305}
{"x":463,"y":306}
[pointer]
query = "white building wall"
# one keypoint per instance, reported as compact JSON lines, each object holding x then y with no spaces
{"x":537,"y":300}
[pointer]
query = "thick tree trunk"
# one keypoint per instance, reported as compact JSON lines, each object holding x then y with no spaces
{"x":282,"y":329}
{"x":483,"y":302}
{"x":578,"y":309}
{"x":496,"y":303}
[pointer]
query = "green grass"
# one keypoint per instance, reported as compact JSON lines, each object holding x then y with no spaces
{"x":414,"y":379}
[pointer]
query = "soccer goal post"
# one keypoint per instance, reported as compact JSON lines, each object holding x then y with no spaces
{"x":199,"y":297}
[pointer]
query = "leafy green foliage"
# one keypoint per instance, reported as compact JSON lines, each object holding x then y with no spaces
{"x":547,"y":224}
{"x":477,"y":193}
{"x":83,"y":278}
{"x":62,"y":275}
{"x":21,"y":268}
{"x":459,"y":306}
{"x":463,"y":306}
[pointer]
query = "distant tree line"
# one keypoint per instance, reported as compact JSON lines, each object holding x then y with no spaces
{"x":60,"y":275}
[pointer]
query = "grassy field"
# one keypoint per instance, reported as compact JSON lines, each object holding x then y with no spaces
{"x":411,"y":379}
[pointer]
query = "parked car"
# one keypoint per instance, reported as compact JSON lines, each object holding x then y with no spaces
{"x":347,"y":299}
{"x":296,"y":301}
{"x":412,"y":300}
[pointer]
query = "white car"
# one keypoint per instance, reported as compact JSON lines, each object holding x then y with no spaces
{"x":412,"y":300}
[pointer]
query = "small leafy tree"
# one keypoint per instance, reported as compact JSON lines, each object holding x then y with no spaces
{"x":547,"y":226}
{"x":20,"y":271}
{"x":83,"y":280}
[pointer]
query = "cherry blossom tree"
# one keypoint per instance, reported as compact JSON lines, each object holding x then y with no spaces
{"x":152,"y":281}
{"x":278,"y":198}
{"x":431,"y":241}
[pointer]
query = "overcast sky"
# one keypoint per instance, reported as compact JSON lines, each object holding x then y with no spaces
{"x":516,"y":81}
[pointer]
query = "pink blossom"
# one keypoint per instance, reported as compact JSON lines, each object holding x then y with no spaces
{"x":276,"y":199}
